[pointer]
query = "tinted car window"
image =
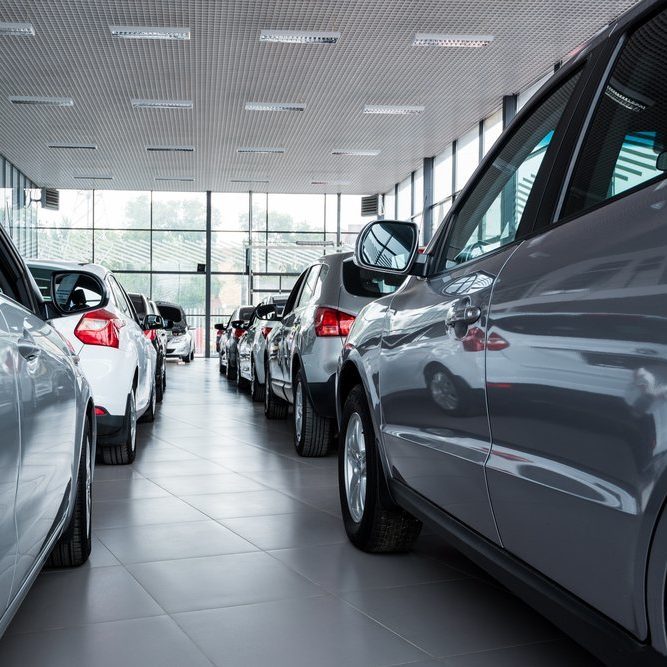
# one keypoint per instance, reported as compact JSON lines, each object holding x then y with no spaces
{"x":42,"y":277}
{"x":245,"y":313}
{"x":291,"y":299}
{"x":626,"y":145}
{"x":309,"y":285}
{"x":138,"y":303}
{"x":491,"y":214}
{"x":362,"y":282}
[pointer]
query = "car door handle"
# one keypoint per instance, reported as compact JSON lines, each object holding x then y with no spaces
{"x":463,"y":314}
{"x":28,"y":350}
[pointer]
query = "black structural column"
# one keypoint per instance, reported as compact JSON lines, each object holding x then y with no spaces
{"x":508,"y":195}
{"x":427,"y":223}
{"x":207,"y":320}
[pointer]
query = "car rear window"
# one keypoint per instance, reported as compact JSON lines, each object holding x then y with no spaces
{"x":373,"y":284}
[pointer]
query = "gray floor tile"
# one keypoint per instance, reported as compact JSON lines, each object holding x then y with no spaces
{"x":67,"y":598}
{"x":320,"y":631}
{"x":114,"y":472}
{"x":550,"y":654}
{"x":205,"y":583}
{"x":225,"y":482}
{"x":100,"y":556}
{"x":144,"y":642}
{"x":282,"y":531}
{"x":342,"y":567}
{"x":244,"y":504}
{"x":172,"y":468}
{"x":455,"y":617}
{"x":118,"y":513}
{"x":142,"y":544}
{"x":126,"y":489}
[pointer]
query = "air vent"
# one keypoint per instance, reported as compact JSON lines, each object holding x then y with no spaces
{"x":170,"y":149}
{"x":16,"y":29}
{"x":248,"y":180}
{"x":162,"y":104}
{"x":355,"y":152}
{"x":94,"y":177}
{"x":260,"y":151}
{"x":299,"y":37}
{"x":452,"y":41}
{"x":331,"y":182}
{"x":175,"y":179}
{"x":396,"y":110}
{"x":370,"y":206}
{"x":75,"y":147}
{"x":148,"y":32}
{"x":274,"y":106}
{"x":50,"y":199}
{"x":42,"y":101}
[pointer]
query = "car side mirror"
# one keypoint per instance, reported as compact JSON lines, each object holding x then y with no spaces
{"x":236,"y":324}
{"x":152,"y":322}
{"x":267,"y":311}
{"x":390,"y":246}
{"x":219,"y":326}
{"x":77,"y":292}
{"x":661,"y":163}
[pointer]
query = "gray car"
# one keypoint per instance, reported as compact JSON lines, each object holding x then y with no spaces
{"x":513,"y":392}
{"x":303,"y":349}
{"x":48,"y":438}
{"x":229,"y":338}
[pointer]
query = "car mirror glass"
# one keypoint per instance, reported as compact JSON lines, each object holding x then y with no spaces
{"x":77,"y":292}
{"x":387,"y":245}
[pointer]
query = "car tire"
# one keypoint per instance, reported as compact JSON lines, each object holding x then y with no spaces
{"x":313,"y":434}
{"x":372,"y":522}
{"x":149,"y":415}
{"x":241,"y":382}
{"x":124,"y":453}
{"x":73,"y":548}
{"x":230,"y":369}
{"x":186,"y":359}
{"x":192,"y":355}
{"x":160,"y":383}
{"x":221,"y":367}
{"x":256,"y":389}
{"x":274,"y":407}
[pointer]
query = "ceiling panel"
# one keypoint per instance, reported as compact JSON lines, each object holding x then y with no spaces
{"x":224,"y":65}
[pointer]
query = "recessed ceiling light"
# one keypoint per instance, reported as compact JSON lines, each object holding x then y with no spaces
{"x":170,"y":149}
{"x":455,"y":41}
{"x":162,"y":104}
{"x":405,"y":110}
{"x":299,"y":36}
{"x":87,"y":147}
{"x":149,"y":32}
{"x":342,"y":151}
{"x":248,"y":180}
{"x":42,"y":101}
{"x":179,"y":179}
{"x":274,"y":106}
{"x":95,"y":177}
{"x":16,"y":29}
{"x":331,"y":182}
{"x":261,"y":151}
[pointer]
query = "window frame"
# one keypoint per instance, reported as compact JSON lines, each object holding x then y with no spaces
{"x":613,"y":53}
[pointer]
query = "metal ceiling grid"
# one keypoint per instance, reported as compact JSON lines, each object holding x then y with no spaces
{"x":224,"y":65}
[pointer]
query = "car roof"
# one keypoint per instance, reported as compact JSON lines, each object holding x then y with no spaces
{"x":60,"y":265}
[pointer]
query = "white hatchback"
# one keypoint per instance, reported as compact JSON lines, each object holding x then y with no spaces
{"x":117,"y":359}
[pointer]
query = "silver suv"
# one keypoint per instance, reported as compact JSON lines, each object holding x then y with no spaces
{"x":514,"y":390}
{"x":303,"y":349}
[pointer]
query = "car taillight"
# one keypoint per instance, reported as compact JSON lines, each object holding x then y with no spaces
{"x":238,"y":333}
{"x":151,"y":334}
{"x":332,"y":322}
{"x":99,"y":327}
{"x":99,"y":411}
{"x":266,"y":331}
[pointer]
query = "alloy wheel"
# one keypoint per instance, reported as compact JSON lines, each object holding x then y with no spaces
{"x":298,"y":410}
{"x":355,"y":467}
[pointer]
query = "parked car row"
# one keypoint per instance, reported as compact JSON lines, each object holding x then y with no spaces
{"x":513,"y":390}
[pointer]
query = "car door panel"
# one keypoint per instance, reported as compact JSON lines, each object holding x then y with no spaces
{"x":10,"y":450}
{"x":578,"y":399}
{"x":435,"y":425}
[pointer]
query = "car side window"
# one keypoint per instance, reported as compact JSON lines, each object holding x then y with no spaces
{"x":490,"y":216}
{"x":626,"y":144}
{"x":308,"y":286}
{"x":6,"y":282}
{"x":119,"y":298}
{"x":291,"y":299}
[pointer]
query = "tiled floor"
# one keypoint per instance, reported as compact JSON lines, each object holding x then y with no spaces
{"x":221,"y":546}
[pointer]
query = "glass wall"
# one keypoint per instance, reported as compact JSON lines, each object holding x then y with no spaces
{"x":19,"y":204}
{"x":156,"y":242}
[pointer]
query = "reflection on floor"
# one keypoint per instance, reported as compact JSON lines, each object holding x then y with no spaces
{"x":221,"y":546}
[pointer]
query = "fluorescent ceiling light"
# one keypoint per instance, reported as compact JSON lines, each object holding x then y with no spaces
{"x":261,"y":151}
{"x":343,"y":151}
{"x":299,"y":36}
{"x":180,"y":179}
{"x":331,"y":182}
{"x":88,"y":147}
{"x":149,"y":32}
{"x":42,"y":101}
{"x":170,"y":149}
{"x":97,"y":177}
{"x":16,"y":29}
{"x":455,"y":41}
{"x":405,"y":110}
{"x":274,"y":106}
{"x":248,"y":180}
{"x":162,"y":104}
